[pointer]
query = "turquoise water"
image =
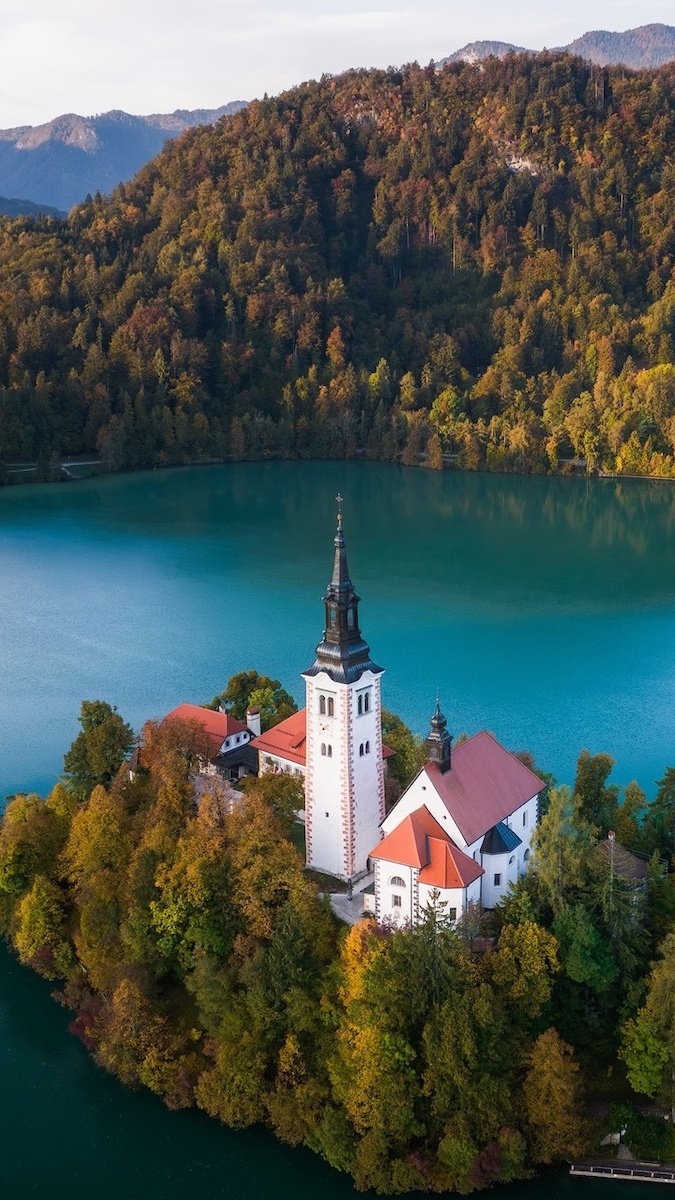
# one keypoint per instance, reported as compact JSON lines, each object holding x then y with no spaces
{"x":70,"y":1132}
{"x":542,"y":609}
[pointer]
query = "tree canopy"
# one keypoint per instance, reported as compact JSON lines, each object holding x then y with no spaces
{"x":472,"y":264}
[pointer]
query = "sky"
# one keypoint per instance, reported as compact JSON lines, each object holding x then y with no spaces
{"x":147,"y":56}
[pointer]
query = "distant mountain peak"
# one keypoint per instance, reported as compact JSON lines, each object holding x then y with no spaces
{"x":477,"y":51}
{"x":57,"y":163}
{"x":645,"y":47}
{"x":68,"y":129}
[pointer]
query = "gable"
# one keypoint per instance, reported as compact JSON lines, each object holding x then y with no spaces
{"x":485,"y":785}
{"x":420,"y":842}
{"x":217,"y":725}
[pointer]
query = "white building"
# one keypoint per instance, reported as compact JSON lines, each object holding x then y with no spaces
{"x":344,"y":779}
{"x":232,"y":749}
{"x":462,"y":829}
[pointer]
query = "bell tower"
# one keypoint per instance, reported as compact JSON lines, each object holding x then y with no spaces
{"x":439,"y":741}
{"x":344,"y":782}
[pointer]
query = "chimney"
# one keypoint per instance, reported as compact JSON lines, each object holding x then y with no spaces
{"x":253,"y":721}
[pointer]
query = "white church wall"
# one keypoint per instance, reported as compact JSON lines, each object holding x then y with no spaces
{"x":450,"y":901}
{"x":327,"y":775}
{"x":397,"y":892}
{"x":422,"y":793}
{"x":500,"y":871}
{"x":368,"y":773}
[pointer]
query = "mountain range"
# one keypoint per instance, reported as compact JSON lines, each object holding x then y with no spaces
{"x":648,"y":46}
{"x":56,"y":164}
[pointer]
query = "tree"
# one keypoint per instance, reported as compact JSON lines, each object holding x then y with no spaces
{"x":409,"y":750}
{"x":41,"y":935}
{"x":562,"y":844}
{"x":249,"y":689}
{"x":597,"y":803}
{"x":32,"y":836}
{"x":649,"y":1038}
{"x":659,"y":822}
{"x":524,"y":965}
{"x":628,"y":820}
{"x":99,"y":750}
{"x":553,"y":1101}
{"x":285,"y":795}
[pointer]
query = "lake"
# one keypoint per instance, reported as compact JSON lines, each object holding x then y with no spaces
{"x":543,"y":609}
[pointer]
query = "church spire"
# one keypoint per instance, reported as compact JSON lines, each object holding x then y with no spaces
{"x":342,"y":652}
{"x":439,"y":741}
{"x":340,"y":583}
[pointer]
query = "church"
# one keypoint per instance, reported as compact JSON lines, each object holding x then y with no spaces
{"x":462,"y":829}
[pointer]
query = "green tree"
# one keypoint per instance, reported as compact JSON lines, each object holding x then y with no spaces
{"x":659,"y":822}
{"x":649,"y":1038}
{"x":41,"y":934}
{"x":562,"y":844}
{"x":98,"y":750}
{"x":249,"y":689}
{"x":409,"y":750}
{"x":597,"y":803}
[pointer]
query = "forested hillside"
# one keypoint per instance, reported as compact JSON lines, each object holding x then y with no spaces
{"x":476,"y":262}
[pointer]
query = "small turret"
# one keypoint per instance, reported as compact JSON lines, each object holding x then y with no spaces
{"x":439,"y":741}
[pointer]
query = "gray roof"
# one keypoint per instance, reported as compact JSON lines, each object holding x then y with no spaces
{"x":500,"y":840}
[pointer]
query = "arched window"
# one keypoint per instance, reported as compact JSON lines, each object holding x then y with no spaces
{"x":330,"y":751}
{"x":512,"y":859}
{"x":367,"y":747}
{"x":323,"y":749}
{"x":331,"y":706}
{"x":396,"y":881}
{"x":366,"y":702}
{"x":351,"y":620}
{"x":361,"y":750}
{"x":526,"y":856}
{"x":360,"y":706}
{"x":322,"y":705}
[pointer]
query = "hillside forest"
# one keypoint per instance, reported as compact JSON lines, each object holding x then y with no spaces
{"x":471,"y":265}
{"x":199,"y":960}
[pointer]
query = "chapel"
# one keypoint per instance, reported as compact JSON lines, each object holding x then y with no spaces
{"x":462,"y":829}
{"x":460,"y":833}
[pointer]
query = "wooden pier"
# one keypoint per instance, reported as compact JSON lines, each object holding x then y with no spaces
{"x":638,"y":1172}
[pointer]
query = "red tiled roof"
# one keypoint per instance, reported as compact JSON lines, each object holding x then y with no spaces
{"x":286,"y":740}
{"x":485,"y":784}
{"x":420,"y":842}
{"x":448,"y":866}
{"x":218,"y":725}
